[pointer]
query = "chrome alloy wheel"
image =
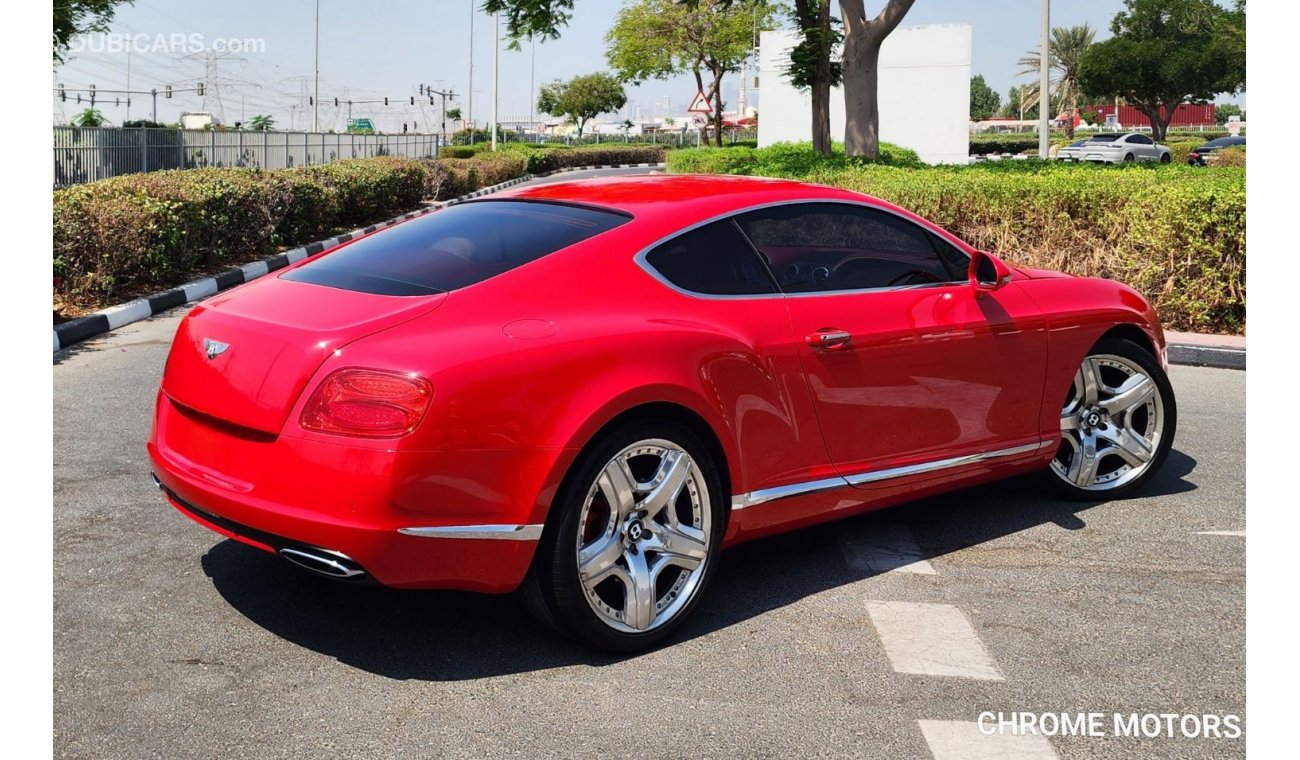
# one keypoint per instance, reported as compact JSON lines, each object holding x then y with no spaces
{"x":643,"y":536}
{"x":1111,"y":424}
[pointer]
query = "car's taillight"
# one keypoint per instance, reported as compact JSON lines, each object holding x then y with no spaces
{"x":369,"y":403}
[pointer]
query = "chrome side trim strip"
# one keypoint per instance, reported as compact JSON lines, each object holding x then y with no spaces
{"x":941,"y":464}
{"x":753,"y":498}
{"x":494,"y":531}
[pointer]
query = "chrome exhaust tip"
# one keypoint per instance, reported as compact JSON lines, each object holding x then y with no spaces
{"x":323,"y":561}
{"x":156,"y":482}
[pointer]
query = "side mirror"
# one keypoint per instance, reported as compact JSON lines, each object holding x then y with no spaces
{"x":987,"y":272}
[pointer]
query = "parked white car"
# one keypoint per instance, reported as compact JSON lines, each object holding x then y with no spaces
{"x":1114,"y":148}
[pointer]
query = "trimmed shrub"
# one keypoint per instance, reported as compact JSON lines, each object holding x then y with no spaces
{"x":1176,"y":233}
{"x":1233,"y":156}
{"x":367,"y":188}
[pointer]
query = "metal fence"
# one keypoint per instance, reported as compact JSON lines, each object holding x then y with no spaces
{"x":88,"y":154}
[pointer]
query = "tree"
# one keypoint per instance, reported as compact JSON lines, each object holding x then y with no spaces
{"x":582,"y":98}
{"x":88,"y":118}
{"x":1012,"y":108}
{"x":984,"y":100}
{"x":1166,"y":52}
{"x":1065,"y":50}
{"x":862,"y":40}
{"x":813,"y":64}
{"x":73,"y":17}
{"x":658,"y":39}
{"x":453,"y":114}
{"x":1223,"y":110}
{"x":261,"y":123}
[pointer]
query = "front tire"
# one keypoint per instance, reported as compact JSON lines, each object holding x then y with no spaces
{"x":1165,"y":158}
{"x":633,"y":539}
{"x":1117,"y":423}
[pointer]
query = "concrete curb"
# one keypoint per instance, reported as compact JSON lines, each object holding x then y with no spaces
{"x":1219,"y":357}
{"x":105,"y":320}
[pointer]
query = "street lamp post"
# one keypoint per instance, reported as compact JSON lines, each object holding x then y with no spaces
{"x":496,"y":54}
{"x":469,"y":106}
{"x":315,"y":109}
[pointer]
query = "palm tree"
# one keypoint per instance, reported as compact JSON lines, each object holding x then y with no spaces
{"x":88,"y":118}
{"x":1066,"y":49}
{"x":261,"y":123}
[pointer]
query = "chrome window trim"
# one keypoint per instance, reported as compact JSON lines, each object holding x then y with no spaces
{"x":754,"y":498}
{"x":640,"y":257}
{"x":490,"y":532}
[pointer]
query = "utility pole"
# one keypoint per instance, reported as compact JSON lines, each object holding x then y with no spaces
{"x":496,"y":54}
{"x":470,"y":105}
{"x":128,"y":82}
{"x":1044,"y":83}
{"x":154,"y":93}
{"x":315,"y":109}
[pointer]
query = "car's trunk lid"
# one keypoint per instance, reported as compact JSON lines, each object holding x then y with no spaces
{"x":246,"y":358}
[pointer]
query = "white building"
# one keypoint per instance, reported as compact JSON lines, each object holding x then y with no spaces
{"x":924,"y":92}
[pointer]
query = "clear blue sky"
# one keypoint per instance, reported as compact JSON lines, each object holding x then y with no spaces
{"x":372,"y":50}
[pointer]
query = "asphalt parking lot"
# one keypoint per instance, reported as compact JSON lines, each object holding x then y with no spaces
{"x":880,"y":636}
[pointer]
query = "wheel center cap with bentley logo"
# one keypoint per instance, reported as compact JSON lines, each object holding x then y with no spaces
{"x":634,"y":531}
{"x":214,"y":348}
{"x":1093,"y":419}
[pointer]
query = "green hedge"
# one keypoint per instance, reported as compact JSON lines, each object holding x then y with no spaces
{"x":120,"y":238}
{"x":1176,"y":233}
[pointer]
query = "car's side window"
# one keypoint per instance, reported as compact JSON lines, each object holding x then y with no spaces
{"x":1141,"y":140}
{"x":714,"y":259}
{"x":814,"y":247}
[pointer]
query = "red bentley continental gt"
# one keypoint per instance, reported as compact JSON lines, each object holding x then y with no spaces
{"x":587,"y":390}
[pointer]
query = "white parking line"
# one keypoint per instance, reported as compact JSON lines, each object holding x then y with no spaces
{"x":931,"y":640}
{"x":877,"y":548}
{"x":959,"y":740}
{"x":1240,"y":533}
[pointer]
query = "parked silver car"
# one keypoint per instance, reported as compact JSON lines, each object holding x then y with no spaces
{"x":1113,"y":149}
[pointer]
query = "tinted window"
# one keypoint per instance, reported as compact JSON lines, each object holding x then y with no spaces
{"x":1103,"y":138}
{"x":834,"y":246}
{"x":1224,"y":142}
{"x":714,"y":259}
{"x":455,"y":247}
{"x":1140,"y":140}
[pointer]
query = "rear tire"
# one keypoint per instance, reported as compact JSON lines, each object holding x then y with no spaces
{"x":633,"y":538}
{"x":1165,"y":158}
{"x":1118,"y":421}
{"x":1128,"y":158}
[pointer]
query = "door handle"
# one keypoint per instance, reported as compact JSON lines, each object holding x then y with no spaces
{"x":828,"y":339}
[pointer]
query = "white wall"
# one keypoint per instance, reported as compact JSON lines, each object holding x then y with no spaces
{"x":924,"y":92}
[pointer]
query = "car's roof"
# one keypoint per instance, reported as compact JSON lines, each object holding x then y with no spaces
{"x":1229,"y":140}
{"x":651,"y":195}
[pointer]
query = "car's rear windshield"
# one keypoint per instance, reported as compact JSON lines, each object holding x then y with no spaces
{"x":456,"y":247}
{"x":1223,"y":142}
{"x":1104,"y":138}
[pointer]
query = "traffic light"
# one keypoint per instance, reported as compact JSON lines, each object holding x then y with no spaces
{"x":403,"y":127}
{"x":63,"y":95}
{"x":199,"y":89}
{"x":385,"y":101}
{"x":167,"y":91}
{"x":412,"y":100}
{"x":311,"y":101}
{"x":421,"y":89}
{"x":336,"y":102}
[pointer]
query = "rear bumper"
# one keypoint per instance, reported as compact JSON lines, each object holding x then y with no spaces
{"x":408,"y":519}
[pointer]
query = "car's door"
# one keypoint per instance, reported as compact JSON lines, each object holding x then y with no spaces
{"x":1143,"y":148}
{"x":906,"y":361}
